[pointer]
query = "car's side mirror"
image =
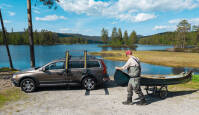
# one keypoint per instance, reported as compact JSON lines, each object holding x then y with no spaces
{"x":43,"y":69}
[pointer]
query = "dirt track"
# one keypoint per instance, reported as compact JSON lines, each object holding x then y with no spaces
{"x":72,"y":101}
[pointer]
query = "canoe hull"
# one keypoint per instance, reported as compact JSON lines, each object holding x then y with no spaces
{"x":122,"y":79}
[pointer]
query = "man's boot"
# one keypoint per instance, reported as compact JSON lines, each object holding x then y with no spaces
{"x":142,"y":102}
{"x":128,"y":101}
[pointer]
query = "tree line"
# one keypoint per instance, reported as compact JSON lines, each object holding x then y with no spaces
{"x":184,"y":35}
{"x":117,"y":39}
{"x":43,"y":37}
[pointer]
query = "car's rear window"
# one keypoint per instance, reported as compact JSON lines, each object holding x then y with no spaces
{"x":76,"y":64}
{"x":80,"y":64}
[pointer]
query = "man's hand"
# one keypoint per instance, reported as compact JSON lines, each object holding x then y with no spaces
{"x":118,"y":68}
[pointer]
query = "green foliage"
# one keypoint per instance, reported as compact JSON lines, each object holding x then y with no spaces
{"x":179,"y":38}
{"x":182,"y":28}
{"x":197,"y":38}
{"x":6,"y":69}
{"x":167,"y":38}
{"x":43,"y":37}
{"x":117,"y":40}
{"x":120,"y":35}
{"x":195,"y":78}
{"x":132,"y":38}
{"x":49,"y":3}
{"x":104,"y":35}
{"x":195,"y":28}
{"x":126,"y":38}
{"x":70,"y":40}
{"x":114,"y":34}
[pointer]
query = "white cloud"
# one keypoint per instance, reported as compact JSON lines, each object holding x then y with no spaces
{"x":114,"y":22}
{"x":143,"y":17}
{"x":36,"y":11}
{"x":83,"y":6}
{"x":157,"y":5}
{"x":109,"y":9}
{"x":131,"y":10}
{"x":50,"y":18}
{"x":192,"y":21}
{"x":161,"y":27}
{"x":7,"y":21}
{"x":11,"y":13}
{"x":5,"y":5}
{"x":174,"y":21}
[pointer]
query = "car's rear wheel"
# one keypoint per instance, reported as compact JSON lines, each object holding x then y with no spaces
{"x":89,"y":83}
{"x":27,"y":85}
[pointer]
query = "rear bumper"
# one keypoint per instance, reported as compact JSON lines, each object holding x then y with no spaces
{"x":14,"y":82}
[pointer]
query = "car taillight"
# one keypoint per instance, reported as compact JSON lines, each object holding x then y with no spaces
{"x":104,"y":67}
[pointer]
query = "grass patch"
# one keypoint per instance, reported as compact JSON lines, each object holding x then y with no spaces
{"x":195,"y":78}
{"x":6,"y":69}
{"x":171,"y":59}
{"x":185,"y":86}
{"x":192,"y":85}
{"x":9,"y":95}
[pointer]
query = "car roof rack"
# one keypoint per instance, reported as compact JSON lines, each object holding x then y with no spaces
{"x":85,"y":57}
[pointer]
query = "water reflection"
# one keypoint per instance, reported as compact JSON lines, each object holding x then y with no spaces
{"x":105,"y":48}
{"x":149,"y":68}
{"x":122,"y":48}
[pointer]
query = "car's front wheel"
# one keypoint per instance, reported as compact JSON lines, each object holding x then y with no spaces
{"x":89,"y":83}
{"x":27,"y":85}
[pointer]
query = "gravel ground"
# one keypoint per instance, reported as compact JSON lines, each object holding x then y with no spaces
{"x":5,"y":83}
{"x":72,"y":101}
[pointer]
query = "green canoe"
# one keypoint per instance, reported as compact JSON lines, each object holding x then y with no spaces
{"x":122,"y":78}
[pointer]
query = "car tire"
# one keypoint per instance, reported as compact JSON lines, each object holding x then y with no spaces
{"x":27,"y":85}
{"x":89,"y":83}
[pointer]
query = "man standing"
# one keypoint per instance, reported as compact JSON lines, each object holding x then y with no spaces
{"x":134,"y":71}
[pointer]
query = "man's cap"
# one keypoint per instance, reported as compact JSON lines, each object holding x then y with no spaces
{"x":129,"y":52}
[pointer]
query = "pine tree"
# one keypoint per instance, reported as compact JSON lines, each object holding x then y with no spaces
{"x":120,"y":35}
{"x":126,"y":37}
{"x":182,"y":28}
{"x":132,"y":38}
{"x":114,"y":34}
{"x":104,"y":35}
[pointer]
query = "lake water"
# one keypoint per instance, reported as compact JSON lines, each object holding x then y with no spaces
{"x":46,"y":53}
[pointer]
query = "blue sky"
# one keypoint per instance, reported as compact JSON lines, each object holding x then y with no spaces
{"x":88,"y":17}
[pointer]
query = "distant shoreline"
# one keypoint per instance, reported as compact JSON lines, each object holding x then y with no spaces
{"x":164,"y":58}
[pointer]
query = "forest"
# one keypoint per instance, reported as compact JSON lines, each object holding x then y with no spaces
{"x":43,"y":37}
{"x":183,"y":36}
{"x":119,"y":39}
{"x":170,"y":38}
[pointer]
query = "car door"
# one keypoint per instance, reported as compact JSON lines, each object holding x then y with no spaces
{"x":54,"y":73}
{"x":75,"y":71}
{"x":95,"y":68}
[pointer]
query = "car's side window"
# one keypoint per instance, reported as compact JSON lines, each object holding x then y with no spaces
{"x":76,"y":64}
{"x":91,"y":64}
{"x":56,"y":65}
